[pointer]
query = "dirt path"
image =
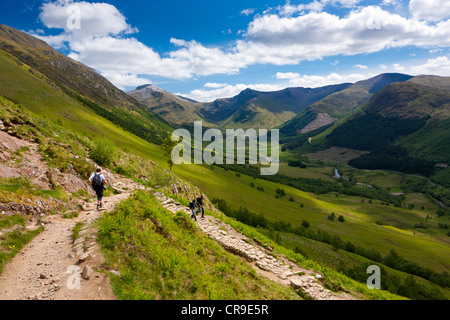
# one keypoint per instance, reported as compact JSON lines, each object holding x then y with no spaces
{"x":47,"y":268}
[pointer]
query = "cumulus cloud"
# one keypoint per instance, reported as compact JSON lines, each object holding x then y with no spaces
{"x":107,"y":42}
{"x":289,"y":40}
{"x":287,"y":75}
{"x":433,"y":10}
{"x":317,"y":5}
{"x":439,"y":66}
{"x":96,"y":19}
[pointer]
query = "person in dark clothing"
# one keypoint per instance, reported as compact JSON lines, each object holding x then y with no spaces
{"x":98,"y":182}
{"x":192,"y":206}
{"x":201,"y":206}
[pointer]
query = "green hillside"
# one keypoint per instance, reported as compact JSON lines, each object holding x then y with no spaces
{"x":405,"y":126}
{"x":65,"y":83}
{"x":300,"y":216}
{"x":175,"y":110}
{"x":342,"y":103}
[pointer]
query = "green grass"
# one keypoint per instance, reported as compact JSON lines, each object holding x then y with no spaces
{"x":333,"y":280}
{"x":360,"y":227}
{"x":163,"y":256}
{"x":14,"y":241}
{"x":80,"y":126}
{"x":45,"y":101}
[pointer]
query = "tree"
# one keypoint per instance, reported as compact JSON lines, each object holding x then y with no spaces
{"x":168,"y":146}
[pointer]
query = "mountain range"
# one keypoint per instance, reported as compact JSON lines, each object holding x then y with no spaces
{"x":404,"y":121}
{"x":399,"y":111}
{"x":291,"y":109}
{"x":401,"y":122}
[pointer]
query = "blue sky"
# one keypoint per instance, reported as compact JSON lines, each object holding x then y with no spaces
{"x":208,"y":49}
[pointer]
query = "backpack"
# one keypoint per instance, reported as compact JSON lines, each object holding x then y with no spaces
{"x":97,"y":181}
{"x":192,"y":205}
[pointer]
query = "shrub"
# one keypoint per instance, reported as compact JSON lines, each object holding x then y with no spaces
{"x":104,"y":152}
{"x":160,"y":177}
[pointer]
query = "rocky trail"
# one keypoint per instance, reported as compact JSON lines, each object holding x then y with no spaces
{"x":265,"y":262}
{"x":53,"y":267}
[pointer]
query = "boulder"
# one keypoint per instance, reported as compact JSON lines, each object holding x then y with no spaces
{"x":87,"y":272}
{"x":296,"y":283}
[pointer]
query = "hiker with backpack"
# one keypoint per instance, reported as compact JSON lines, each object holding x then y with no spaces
{"x":192,"y":206}
{"x":201,"y":206}
{"x":98,"y":182}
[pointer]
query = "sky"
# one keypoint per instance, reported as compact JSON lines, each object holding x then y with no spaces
{"x":211,"y":49}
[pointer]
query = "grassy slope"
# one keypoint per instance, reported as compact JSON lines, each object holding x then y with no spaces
{"x":44,"y":100}
{"x":141,"y":276}
{"x":360,"y":227}
{"x":155,"y":250}
{"x":82,"y":83}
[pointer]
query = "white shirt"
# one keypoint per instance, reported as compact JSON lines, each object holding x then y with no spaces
{"x":101,"y":177}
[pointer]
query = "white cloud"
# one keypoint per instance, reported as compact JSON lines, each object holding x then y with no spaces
{"x":397,"y":67}
{"x":391,"y":2}
{"x":215,"y":85}
{"x":316,"y":6}
{"x":439,"y":66}
{"x":104,"y":41}
{"x":247,"y":12}
{"x":315,"y":81}
{"x":289,"y":40}
{"x":287,"y":75}
{"x":97,"y":19}
{"x":433,"y":10}
{"x":360,"y":66}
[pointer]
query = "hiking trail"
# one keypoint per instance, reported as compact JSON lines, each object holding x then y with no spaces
{"x":43,"y":269}
{"x":266,"y":263}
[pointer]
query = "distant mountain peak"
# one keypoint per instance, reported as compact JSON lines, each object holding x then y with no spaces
{"x":151,"y":87}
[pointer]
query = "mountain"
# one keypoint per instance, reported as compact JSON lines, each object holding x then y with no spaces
{"x":406,"y":126}
{"x":254,"y":109}
{"x":30,"y":67}
{"x":297,"y":110}
{"x":58,"y":127}
{"x":432,"y":81}
{"x":176,"y":110}
{"x":339,"y":104}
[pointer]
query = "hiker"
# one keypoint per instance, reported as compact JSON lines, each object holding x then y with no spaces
{"x":201,"y":206}
{"x":98,"y":182}
{"x":192,"y":206}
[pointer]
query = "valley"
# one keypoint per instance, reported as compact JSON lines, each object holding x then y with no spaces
{"x":391,"y":213}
